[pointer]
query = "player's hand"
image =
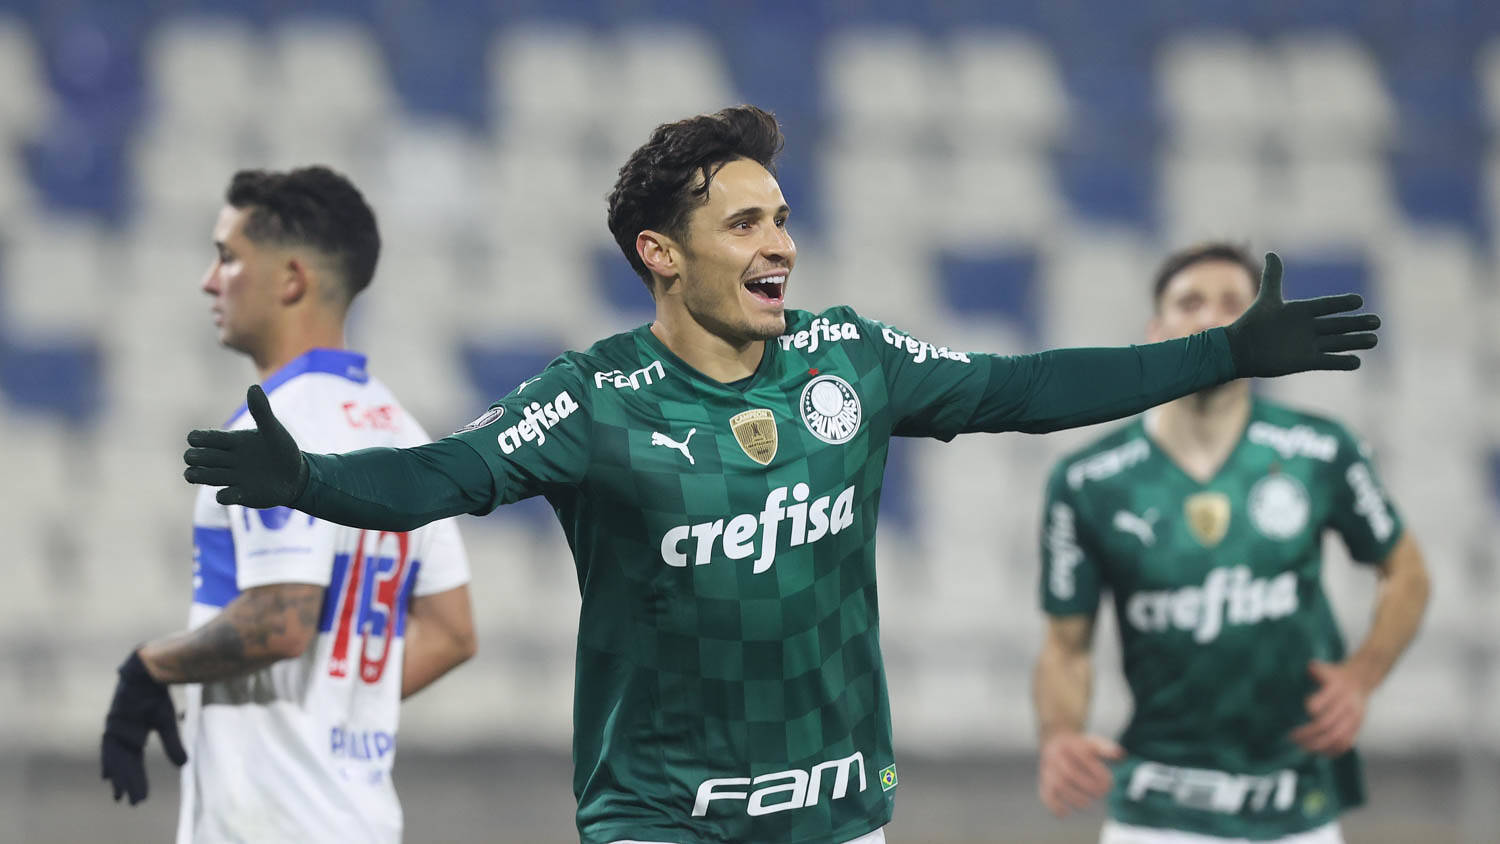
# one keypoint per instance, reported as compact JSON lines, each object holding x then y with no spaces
{"x":140,"y":705}
{"x":1073,"y":772}
{"x":1337,"y":710}
{"x":1276,"y":337}
{"x":261,"y":467}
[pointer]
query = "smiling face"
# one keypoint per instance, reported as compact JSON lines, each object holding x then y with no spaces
{"x":735,"y":257}
{"x":1203,"y":295}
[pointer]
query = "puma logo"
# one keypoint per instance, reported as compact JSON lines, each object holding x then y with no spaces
{"x":1144,"y":528}
{"x":663,"y":439}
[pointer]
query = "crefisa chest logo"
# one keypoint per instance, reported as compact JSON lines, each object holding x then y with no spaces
{"x":830,"y":409}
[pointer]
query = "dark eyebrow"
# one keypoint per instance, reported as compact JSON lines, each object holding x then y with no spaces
{"x":753,"y":211}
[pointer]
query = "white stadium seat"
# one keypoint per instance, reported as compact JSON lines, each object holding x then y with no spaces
{"x":1219,"y":93}
{"x":1335,"y":98}
{"x":882,"y":87}
{"x":1006,"y":91}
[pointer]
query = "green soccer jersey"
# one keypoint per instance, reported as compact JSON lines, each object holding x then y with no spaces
{"x":729,"y":685}
{"x":1217,"y":589}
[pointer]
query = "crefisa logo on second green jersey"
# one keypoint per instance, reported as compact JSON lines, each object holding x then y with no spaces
{"x":1228,"y":596}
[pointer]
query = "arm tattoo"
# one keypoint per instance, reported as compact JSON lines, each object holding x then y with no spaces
{"x":256,"y":629}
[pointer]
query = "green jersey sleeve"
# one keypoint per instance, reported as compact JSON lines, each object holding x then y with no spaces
{"x":1070,"y":582}
{"x":537,"y":438}
{"x":937,"y":392}
{"x":1362,"y":511}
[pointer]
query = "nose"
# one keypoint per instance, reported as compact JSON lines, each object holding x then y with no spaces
{"x":780,"y":247}
{"x":210,"y":283}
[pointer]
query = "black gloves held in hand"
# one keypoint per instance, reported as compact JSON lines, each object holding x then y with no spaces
{"x":260,"y":467}
{"x":140,"y":705}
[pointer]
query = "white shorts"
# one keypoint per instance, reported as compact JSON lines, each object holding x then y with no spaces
{"x":876,"y":837}
{"x":1115,"y":832}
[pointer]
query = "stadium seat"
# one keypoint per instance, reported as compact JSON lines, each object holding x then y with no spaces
{"x":1218,"y":94}
{"x":653,"y":86}
{"x":993,"y":286}
{"x":1095,"y":287}
{"x":206,"y":76}
{"x":1335,"y":98}
{"x":545,"y":83}
{"x":55,"y":267}
{"x":984,"y":198}
{"x":332,"y":89}
{"x":1330,"y":200}
{"x":884,"y":88}
{"x":1213,"y":194}
{"x":25,"y":98}
{"x":1007,"y":92}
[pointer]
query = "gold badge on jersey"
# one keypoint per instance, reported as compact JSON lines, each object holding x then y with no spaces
{"x":755,"y":431}
{"x":1207,"y":516}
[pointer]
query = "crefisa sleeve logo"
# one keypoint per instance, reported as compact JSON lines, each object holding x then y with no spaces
{"x":830,"y":409}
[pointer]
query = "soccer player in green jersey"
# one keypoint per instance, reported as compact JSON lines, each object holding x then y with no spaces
{"x":1204,"y":520}
{"x":717,"y":474}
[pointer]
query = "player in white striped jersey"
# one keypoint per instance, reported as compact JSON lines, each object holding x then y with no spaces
{"x":304,"y":635}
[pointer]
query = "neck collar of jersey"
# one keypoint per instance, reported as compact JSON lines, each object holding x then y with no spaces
{"x":341,"y":362}
{"x":649,"y":337}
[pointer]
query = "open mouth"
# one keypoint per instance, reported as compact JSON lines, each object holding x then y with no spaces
{"x":768,"y":289}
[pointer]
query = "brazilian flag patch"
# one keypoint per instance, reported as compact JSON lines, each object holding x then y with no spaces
{"x":888,"y":778}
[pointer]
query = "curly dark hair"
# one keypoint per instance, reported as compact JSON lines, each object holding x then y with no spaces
{"x":312,"y":206}
{"x":1214,"y":250}
{"x":670,"y":174}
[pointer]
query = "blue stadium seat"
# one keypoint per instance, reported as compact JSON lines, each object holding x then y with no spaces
{"x":898,"y":499}
{"x":1315,"y":275}
{"x":1111,"y":184}
{"x":495,"y":371}
{"x":435,"y":60}
{"x":1442,"y":187}
{"x":620,"y":286}
{"x":65,"y":380}
{"x":76,"y":167}
{"x":1000,"y":286}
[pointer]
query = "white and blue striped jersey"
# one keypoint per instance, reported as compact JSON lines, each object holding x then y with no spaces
{"x":303,"y":750}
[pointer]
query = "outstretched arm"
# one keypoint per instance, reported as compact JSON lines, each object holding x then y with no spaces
{"x":1067,"y":388}
{"x":394,"y":489}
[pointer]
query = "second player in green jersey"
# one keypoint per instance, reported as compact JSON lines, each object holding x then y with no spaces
{"x":1204,"y":522}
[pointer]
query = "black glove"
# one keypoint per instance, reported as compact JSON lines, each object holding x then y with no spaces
{"x":259,"y":468}
{"x":140,"y":705}
{"x":1275,"y":337}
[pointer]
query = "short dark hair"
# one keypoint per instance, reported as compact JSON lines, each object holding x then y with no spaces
{"x":316,"y":207}
{"x":1215,"y":250}
{"x":658,"y":185}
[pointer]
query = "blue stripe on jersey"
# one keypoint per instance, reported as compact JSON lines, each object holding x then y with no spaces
{"x":214,"y":582}
{"x":334,"y":593}
{"x":403,"y":599}
{"x":340,"y":362}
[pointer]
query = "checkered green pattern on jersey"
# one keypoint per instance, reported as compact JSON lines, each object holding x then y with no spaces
{"x":713,"y":670}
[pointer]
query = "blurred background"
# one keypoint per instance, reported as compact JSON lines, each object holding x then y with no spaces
{"x":1000,"y":176}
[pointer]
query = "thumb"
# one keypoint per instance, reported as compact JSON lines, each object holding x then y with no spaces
{"x":171,"y":741}
{"x":1270,"y":279}
{"x":1106,"y":748}
{"x":260,"y":409}
{"x":1319,"y":669}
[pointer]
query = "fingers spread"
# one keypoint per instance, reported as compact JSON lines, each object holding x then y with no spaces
{"x":209,"y":457}
{"x":1324,"y":305}
{"x":1270,"y":278}
{"x":1346,"y":342}
{"x":1346,"y":324}
{"x":209,"y":475}
{"x":209,"y":438}
{"x":1344,"y":363}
